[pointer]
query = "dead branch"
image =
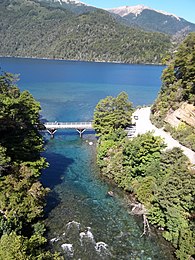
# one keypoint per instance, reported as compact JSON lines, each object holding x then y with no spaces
{"x":139,"y":209}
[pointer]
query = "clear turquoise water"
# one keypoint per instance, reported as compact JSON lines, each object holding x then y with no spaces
{"x":83,"y":221}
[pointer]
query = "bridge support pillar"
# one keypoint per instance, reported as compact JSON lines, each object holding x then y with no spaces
{"x":80,"y":131}
{"x":52,"y":132}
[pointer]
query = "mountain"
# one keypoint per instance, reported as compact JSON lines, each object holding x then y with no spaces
{"x":153,"y":20}
{"x":48,"y":29}
{"x":70,"y":5}
{"x":136,"y":10}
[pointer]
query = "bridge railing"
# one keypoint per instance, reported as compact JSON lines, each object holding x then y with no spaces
{"x":68,"y":123}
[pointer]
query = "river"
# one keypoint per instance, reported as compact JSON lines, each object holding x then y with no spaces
{"x":83,"y":221}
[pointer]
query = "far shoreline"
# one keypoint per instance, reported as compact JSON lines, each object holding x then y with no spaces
{"x":87,"y":61}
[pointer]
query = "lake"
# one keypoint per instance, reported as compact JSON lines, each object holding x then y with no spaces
{"x":83,"y":221}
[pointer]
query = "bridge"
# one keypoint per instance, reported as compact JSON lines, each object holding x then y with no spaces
{"x":80,"y":127}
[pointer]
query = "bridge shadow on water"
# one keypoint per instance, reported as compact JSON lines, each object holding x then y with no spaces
{"x":53,"y":176}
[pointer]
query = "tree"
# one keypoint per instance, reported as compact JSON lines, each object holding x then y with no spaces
{"x":17,"y":247}
{"x":141,"y":151}
{"x":112,"y":114}
{"x":4,"y":160}
{"x":19,"y":121}
{"x":22,"y":196}
{"x":173,"y":202}
{"x":13,"y":247}
{"x":186,"y":245}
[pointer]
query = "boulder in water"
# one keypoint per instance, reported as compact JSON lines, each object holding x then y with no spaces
{"x":111,"y":193}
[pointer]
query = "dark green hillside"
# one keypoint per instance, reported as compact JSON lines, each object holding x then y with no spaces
{"x":30,"y":29}
{"x":175,"y":105}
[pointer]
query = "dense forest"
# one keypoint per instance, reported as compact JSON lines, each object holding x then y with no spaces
{"x":174,"y":108}
{"x":22,"y":196}
{"x":33,"y":29}
{"x":161,"y":180}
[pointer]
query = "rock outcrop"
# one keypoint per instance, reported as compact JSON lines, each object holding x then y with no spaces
{"x":184,"y":114}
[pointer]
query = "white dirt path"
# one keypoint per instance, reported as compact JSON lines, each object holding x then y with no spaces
{"x":143,"y":125}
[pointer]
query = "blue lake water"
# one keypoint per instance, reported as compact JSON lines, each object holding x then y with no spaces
{"x":83,"y":221}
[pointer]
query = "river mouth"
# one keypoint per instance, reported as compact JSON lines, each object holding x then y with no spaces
{"x":83,"y":220}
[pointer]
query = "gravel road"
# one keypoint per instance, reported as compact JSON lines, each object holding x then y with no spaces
{"x":143,"y":125}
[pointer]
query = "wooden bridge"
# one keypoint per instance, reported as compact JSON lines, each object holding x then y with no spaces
{"x":80,"y":127}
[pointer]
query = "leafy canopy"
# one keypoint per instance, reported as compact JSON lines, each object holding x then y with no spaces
{"x":19,"y":121}
{"x":112,"y":114}
{"x":22,"y":196}
{"x":160,"y":179}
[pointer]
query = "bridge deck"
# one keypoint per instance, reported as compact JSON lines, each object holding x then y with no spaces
{"x":68,"y":125}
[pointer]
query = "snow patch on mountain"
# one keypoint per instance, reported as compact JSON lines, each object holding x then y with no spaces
{"x":169,"y":14}
{"x":136,"y":10}
{"x":125,"y":10}
{"x":74,"y":2}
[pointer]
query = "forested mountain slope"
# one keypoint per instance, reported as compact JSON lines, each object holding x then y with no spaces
{"x":29,"y":28}
{"x":175,"y":106}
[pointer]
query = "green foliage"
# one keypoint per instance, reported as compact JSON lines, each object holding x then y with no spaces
{"x":141,"y":151}
{"x":186,"y":244}
{"x":178,"y":87}
{"x":22,"y":196}
{"x":19,"y":118}
{"x":13,"y":247}
{"x":173,"y":161}
{"x":102,"y":151}
{"x":178,"y":79}
{"x":145,"y":187}
{"x":112,"y":114}
{"x":184,"y":133}
{"x":127,"y":159}
{"x":36,"y":166}
{"x":29,"y":28}
{"x":174,"y":202}
{"x":161,"y":180}
{"x":4,"y":160}
{"x":17,"y":247}
{"x":114,"y":167}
